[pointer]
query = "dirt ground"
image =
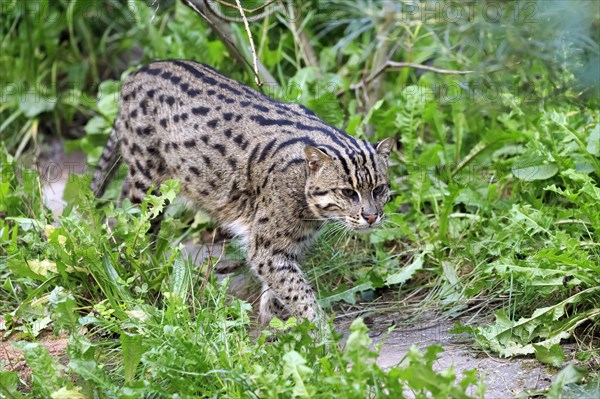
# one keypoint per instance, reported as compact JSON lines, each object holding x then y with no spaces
{"x":504,"y":377}
{"x":14,"y":360}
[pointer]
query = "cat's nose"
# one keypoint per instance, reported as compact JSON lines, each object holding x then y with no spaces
{"x":372,"y":218}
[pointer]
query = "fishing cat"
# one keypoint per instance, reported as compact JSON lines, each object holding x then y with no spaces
{"x":271,"y":173}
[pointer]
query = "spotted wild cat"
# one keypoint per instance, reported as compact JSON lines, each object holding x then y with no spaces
{"x":271,"y":173}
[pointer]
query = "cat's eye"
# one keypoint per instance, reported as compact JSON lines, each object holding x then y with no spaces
{"x":379,"y":190}
{"x":350,"y":193}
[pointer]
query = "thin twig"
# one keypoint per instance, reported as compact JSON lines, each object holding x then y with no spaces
{"x":398,"y":65}
{"x":251,"y":40}
{"x":224,"y":32}
{"x":236,"y":7}
{"x":213,"y":8}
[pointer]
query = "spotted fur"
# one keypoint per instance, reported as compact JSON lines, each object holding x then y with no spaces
{"x":270,"y":172}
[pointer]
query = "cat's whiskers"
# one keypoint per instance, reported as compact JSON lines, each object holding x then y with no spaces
{"x":345,"y":233}
{"x":334,"y":229}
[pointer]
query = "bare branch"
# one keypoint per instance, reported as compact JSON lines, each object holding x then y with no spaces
{"x":399,"y":65}
{"x":225,"y":33}
{"x":251,"y":40}
{"x":250,"y":11}
{"x":213,"y":8}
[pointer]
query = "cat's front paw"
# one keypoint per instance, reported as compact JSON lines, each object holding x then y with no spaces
{"x":271,"y":307}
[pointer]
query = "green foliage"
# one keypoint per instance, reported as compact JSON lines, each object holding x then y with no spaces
{"x":175,"y":339}
{"x":8,"y":385}
{"x":495,"y":196}
{"x":54,"y":54}
{"x":569,"y":375}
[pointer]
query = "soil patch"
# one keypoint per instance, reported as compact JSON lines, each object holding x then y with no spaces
{"x":13,"y":359}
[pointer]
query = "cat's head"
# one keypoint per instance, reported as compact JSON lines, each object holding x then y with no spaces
{"x":351,"y":186}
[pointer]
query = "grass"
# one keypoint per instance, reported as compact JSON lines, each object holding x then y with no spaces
{"x":494,"y":207}
{"x":151,"y":324}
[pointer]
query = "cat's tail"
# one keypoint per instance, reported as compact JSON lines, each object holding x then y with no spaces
{"x":108,"y":163}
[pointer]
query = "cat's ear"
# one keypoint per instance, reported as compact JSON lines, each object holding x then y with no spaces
{"x":384,"y":147}
{"x":315,"y":158}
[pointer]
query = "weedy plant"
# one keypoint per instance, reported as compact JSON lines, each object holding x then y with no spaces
{"x":150,"y":323}
{"x":54,"y":55}
{"x":495,"y":207}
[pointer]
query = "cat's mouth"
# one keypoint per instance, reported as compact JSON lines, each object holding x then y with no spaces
{"x":362,"y":227}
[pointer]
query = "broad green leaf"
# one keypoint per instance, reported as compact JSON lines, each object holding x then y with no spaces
{"x":568,"y":375}
{"x":511,"y":338}
{"x":593,"y":142}
{"x":28,"y":223}
{"x":535,"y":172}
{"x":589,"y":390}
{"x":406,"y":273}
{"x":590,"y":187}
{"x":9,"y":380}
{"x":553,"y":356}
{"x":420,"y":376}
{"x":47,"y":372}
{"x":40,"y":325}
{"x":358,"y":341}
{"x":21,"y":268}
{"x":180,"y":277}
{"x":348,"y":296}
{"x":65,"y":308}
{"x":34,"y":104}
{"x":90,"y":371}
{"x":280,"y":325}
{"x":294,"y":365}
{"x":42,"y":267}
{"x":431,"y":353}
{"x":216,"y":51}
{"x":108,"y":102}
{"x":96,"y":125}
{"x":65,"y":393}
{"x":132,"y":354}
